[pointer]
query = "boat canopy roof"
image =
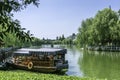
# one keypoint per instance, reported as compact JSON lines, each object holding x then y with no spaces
{"x":43,"y":51}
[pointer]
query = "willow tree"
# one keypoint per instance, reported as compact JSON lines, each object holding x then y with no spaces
{"x":7,"y":23}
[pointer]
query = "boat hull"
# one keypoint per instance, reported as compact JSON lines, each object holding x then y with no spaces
{"x":41,"y":68}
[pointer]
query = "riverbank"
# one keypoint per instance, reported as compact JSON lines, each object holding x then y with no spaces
{"x":104,"y":48}
{"x":27,"y":75}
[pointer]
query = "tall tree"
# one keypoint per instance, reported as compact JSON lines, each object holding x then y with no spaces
{"x":103,"y":29}
{"x":105,"y":23}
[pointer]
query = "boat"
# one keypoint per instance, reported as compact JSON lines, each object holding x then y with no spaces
{"x":43,"y":59}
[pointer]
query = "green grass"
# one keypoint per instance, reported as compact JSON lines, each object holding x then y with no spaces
{"x":27,"y":75}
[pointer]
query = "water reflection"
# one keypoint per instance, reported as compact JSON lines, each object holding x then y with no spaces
{"x":92,"y":63}
{"x":100,"y":64}
{"x":73,"y":58}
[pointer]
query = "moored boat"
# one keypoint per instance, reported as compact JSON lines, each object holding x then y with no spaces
{"x":43,"y":59}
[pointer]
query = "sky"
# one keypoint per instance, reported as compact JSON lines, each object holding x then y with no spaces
{"x":57,"y":17}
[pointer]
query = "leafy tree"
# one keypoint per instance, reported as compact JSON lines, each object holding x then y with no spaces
{"x":62,"y":38}
{"x":103,"y":29}
{"x":105,"y":23}
{"x":57,"y":38}
{"x":37,"y":42}
{"x":84,"y":32}
{"x":7,"y":24}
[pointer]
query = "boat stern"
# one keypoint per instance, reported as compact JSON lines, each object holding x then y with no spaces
{"x":61,"y":66}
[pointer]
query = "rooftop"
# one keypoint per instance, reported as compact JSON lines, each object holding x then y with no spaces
{"x":46,"y":50}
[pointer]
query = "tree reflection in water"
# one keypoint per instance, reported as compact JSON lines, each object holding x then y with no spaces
{"x":100,"y":64}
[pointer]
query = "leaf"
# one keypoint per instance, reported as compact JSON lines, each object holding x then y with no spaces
{"x":1,"y":41}
{"x":1,"y":35}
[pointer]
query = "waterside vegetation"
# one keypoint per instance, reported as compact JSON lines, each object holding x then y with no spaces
{"x":11,"y":29}
{"x":26,"y":75}
{"x":101,"y":30}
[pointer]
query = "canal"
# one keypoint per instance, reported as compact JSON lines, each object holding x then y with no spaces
{"x":93,"y":64}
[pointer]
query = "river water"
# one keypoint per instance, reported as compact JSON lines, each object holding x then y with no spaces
{"x":93,"y":64}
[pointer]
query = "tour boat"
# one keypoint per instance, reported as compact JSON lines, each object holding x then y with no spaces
{"x":43,"y":59}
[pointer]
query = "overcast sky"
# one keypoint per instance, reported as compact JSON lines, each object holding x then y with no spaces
{"x":56,"y":17}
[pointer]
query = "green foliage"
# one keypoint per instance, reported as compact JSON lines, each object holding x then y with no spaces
{"x":24,"y":75}
{"x":37,"y":42}
{"x":63,"y":40}
{"x":100,"y":64}
{"x":13,"y":40}
{"x":7,"y":24}
{"x":103,"y":29}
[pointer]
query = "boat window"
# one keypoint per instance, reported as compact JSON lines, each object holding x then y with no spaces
{"x":21,"y":57}
{"x":55,"y":57}
{"x":41,"y":57}
{"x":50,"y":57}
{"x":59,"y":56}
{"x":34,"y":55}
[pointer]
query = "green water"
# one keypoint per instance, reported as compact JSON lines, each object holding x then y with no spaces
{"x":93,"y":64}
{"x":102,"y":65}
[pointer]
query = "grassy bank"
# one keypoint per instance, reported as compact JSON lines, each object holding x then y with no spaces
{"x":27,"y":75}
